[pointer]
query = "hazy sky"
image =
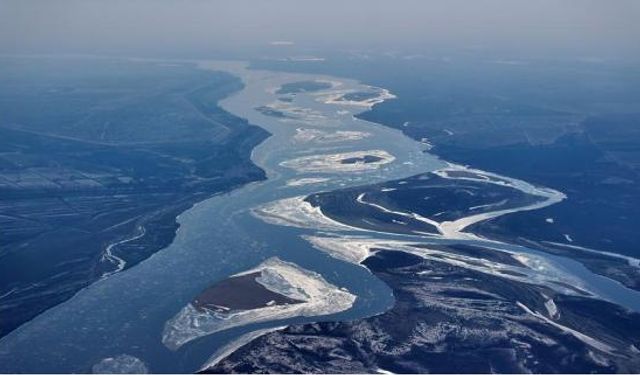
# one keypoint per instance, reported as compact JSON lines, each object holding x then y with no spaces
{"x":162,"y":27}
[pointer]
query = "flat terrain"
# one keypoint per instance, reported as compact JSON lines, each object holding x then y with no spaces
{"x":100,"y":155}
{"x":303,"y":86}
{"x":240,"y":293}
{"x":391,"y":206}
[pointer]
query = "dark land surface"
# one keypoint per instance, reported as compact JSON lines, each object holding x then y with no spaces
{"x":303,"y":86}
{"x":272,"y":112}
{"x":451,"y":320}
{"x":240,"y":293}
{"x":573,"y":126}
{"x":94,"y":152}
{"x":359,"y":96}
{"x":428,"y":195}
{"x":364,"y":159}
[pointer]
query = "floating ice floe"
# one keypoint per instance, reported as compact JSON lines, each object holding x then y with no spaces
{"x":352,"y":250}
{"x":372,"y":96}
{"x":297,"y":212}
{"x":317,"y":296}
{"x":336,"y":162}
{"x":307,"y":181}
{"x":121,"y":364}
{"x":319,"y":136}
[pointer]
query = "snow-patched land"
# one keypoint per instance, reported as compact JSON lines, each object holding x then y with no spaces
{"x":317,"y":295}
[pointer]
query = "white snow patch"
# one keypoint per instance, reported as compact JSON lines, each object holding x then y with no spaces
{"x":333,"y":162}
{"x":306,"y":181}
{"x":320,"y":136}
{"x":579,"y":335}
{"x":121,"y":364}
{"x":297,"y":212}
{"x":338,"y":97}
{"x":288,"y":279}
{"x":552,"y":309}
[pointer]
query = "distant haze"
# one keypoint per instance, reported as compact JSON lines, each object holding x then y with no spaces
{"x":605,"y":28}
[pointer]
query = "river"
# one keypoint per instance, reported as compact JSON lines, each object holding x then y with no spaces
{"x":125,"y":313}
